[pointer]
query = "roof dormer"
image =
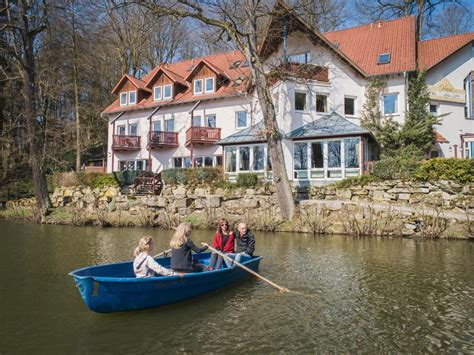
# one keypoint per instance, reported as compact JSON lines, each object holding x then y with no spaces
{"x":130,"y":90}
{"x":206,"y":77}
{"x":165,"y":84}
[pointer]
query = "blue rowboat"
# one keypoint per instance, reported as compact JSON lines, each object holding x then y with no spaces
{"x":114,"y":287}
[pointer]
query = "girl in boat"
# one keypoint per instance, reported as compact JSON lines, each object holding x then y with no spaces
{"x":144,"y":265}
{"x":181,"y":252}
{"x":223,"y":241}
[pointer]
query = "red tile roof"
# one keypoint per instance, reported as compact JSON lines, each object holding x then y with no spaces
{"x":433,"y":51}
{"x":139,"y":84}
{"x":364,"y":44}
{"x":439,"y":138}
{"x":221,"y":63}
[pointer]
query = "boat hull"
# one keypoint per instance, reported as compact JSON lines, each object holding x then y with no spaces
{"x":113,"y":288}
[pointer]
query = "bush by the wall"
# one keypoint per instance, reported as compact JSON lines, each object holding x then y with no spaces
{"x":356,"y":181}
{"x":401,"y":165}
{"x":66,"y":179}
{"x":459,"y":170}
{"x":97,"y":180}
{"x":247,"y":180}
{"x":175,"y":176}
{"x":192,"y":175}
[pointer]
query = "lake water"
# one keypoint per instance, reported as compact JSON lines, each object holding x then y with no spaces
{"x":372,"y":295}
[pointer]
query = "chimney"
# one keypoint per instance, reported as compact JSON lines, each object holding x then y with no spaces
{"x":379,"y":24}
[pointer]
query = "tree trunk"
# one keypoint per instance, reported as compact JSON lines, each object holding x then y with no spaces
{"x":32,"y":119}
{"x":76,"y":91}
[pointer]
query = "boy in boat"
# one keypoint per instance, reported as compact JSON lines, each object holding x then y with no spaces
{"x":144,"y":265}
{"x":244,"y":244}
{"x":223,"y":241}
{"x":181,"y":252}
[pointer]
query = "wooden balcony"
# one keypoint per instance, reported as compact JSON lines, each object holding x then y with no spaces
{"x":203,"y":135}
{"x":162,"y":139}
{"x":126,"y":142}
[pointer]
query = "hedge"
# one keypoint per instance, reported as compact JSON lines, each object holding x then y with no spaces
{"x":459,"y":170}
{"x":193,"y":176}
{"x":247,"y":180}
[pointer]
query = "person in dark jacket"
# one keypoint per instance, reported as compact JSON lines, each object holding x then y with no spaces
{"x":223,"y":241}
{"x":244,"y":244}
{"x":181,"y":252}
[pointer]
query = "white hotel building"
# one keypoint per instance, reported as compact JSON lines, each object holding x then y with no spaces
{"x":203,"y":112}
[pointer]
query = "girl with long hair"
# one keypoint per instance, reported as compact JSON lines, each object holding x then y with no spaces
{"x":144,"y":265}
{"x":181,"y":252}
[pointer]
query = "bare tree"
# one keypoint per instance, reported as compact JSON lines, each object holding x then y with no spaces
{"x":23,"y":22}
{"x":325,"y":15}
{"x":453,"y":20}
{"x":241,"y":22}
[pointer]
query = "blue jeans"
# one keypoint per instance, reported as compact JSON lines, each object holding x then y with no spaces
{"x":234,"y":256}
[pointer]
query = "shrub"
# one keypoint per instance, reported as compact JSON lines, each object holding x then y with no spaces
{"x":175,"y":176}
{"x":192,"y":175}
{"x":459,"y":170}
{"x":97,"y":180}
{"x":401,"y":165}
{"x":357,"y":180}
{"x":247,"y":180}
{"x":66,"y":179}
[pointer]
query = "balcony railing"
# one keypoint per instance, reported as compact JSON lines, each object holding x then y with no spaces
{"x":161,"y":139}
{"x":203,"y":135}
{"x":125,"y":142}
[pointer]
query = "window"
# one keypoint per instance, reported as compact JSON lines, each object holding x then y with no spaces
{"x":218,"y":160}
{"x":211,"y":121}
{"x":434,"y":154}
{"x":321,"y":103}
{"x":241,"y":119}
{"x":301,"y":58}
{"x":434,"y":109}
{"x":349,"y":106}
{"x":390,"y":104}
{"x":157,"y":93}
{"x":301,"y":156}
{"x":198,"y":86}
{"x":469,"y":149}
{"x":230,"y":159}
{"x":317,"y":155}
{"x":168,"y":91}
{"x":123,"y":98}
{"x":121,"y":130}
{"x":244,"y":158}
{"x":209,"y":84}
{"x":351,"y":153}
{"x":178,"y":162}
{"x":157,"y":126}
{"x":135,"y":165}
{"x":258,"y":158}
{"x":132,"y":129}
{"x":469,"y":90}
{"x":196,"y":121}
{"x":208,"y":161}
{"x":300,"y":101}
{"x":186,"y":162}
{"x":334,"y":154}
{"x":169,"y":125}
{"x":132,"y":97}
{"x":384,"y":58}
{"x":198,"y":162}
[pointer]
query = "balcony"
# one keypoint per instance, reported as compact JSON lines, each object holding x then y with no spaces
{"x":203,"y":135}
{"x":161,"y":139}
{"x":126,"y":143}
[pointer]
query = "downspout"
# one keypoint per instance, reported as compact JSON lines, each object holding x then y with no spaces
{"x":405,"y":76}
{"x":113,"y":133}
{"x":149,"y":136}
{"x":192,"y":144}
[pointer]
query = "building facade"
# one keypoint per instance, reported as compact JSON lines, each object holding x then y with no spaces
{"x":203,"y":112}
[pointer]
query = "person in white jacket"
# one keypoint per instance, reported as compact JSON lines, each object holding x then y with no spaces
{"x":144,"y":265}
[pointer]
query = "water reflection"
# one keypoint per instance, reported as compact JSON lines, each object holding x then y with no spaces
{"x":373,"y":295}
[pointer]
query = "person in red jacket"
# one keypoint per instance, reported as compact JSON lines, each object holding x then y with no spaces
{"x":223,"y":241}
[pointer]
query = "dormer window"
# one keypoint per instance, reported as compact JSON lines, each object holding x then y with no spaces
{"x":123,"y":99}
{"x":168,"y":92}
{"x":132,"y":97}
{"x":210,"y":84}
{"x":198,"y":86}
{"x":384,"y":58}
{"x":301,"y":58}
{"x":157,"y":93}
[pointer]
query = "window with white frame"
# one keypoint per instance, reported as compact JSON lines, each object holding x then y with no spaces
{"x":211,"y":121}
{"x":317,"y":160}
{"x":244,"y":158}
{"x":168,"y":92}
{"x":133,"y":129}
{"x":334,"y":159}
{"x":469,"y":90}
{"x":300,"y":160}
{"x":258,"y":158}
{"x":196,"y":121}
{"x":169,"y":125}
{"x":209,"y":84}
{"x":300,"y":58}
{"x":157,"y":93}
{"x":469,"y":149}
{"x":321,"y":103}
{"x":177,"y":162}
{"x":123,"y":99}
{"x":300,"y":101}
{"x":186,"y":162}
{"x":390,"y":104}
{"x":134,"y":165}
{"x":230,"y":159}
{"x":434,"y":109}
{"x":241,"y":119}
{"x":349,"y":106}
{"x":198,"y":86}
{"x":121,"y":130}
{"x":157,"y":126}
{"x":132,"y":97}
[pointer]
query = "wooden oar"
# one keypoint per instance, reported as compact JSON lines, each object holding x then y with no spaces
{"x":279,"y":288}
{"x":163,"y":253}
